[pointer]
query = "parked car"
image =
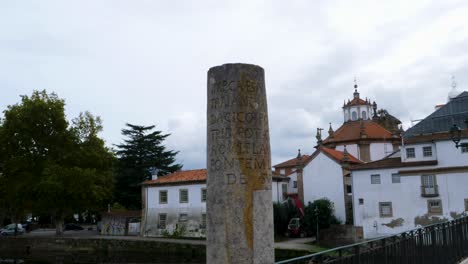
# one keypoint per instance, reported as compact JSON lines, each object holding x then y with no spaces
{"x":71,"y":226}
{"x":296,"y":228}
{"x":9,"y":230}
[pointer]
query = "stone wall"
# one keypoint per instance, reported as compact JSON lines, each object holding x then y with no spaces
{"x":89,"y":245}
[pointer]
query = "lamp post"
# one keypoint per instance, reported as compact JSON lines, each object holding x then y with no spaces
{"x":316,"y":215}
{"x":455,"y":134}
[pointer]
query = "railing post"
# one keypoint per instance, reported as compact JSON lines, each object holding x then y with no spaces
{"x":384,"y":251}
{"x":357,"y":254}
{"x":403,"y":248}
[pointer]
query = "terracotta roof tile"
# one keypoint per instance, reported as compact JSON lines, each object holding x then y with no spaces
{"x":351,"y":131}
{"x":292,"y":162}
{"x":180,"y":177}
{"x":339,"y":155}
{"x":357,"y":101}
{"x":192,"y":176}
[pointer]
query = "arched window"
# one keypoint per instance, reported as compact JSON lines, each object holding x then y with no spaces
{"x":354,"y":116}
{"x":364,"y":115}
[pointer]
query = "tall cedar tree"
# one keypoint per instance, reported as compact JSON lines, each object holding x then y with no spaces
{"x":50,"y":167}
{"x":142,"y":151}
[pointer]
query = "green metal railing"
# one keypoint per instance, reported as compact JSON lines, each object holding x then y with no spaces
{"x":438,"y":243}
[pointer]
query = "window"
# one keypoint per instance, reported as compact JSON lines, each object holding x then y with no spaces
{"x":427,"y":151}
{"x":364,"y":115}
{"x":354,"y":116}
{"x":295,"y":184}
{"x":375,"y":179}
{"x":284,"y":189}
{"x":203,"y":194}
{"x":396,"y":178}
{"x":385,"y":209}
{"x":466,"y":204}
{"x":410,"y":153}
{"x":183,"y":196}
{"x":464,"y":148}
{"x":162,"y":221}
{"x":361,"y":201}
{"x":434,"y":206}
{"x":183,"y":217}
{"x":429,"y":186}
{"x":349,"y":189}
{"x":163,"y":197}
{"x":203,"y":220}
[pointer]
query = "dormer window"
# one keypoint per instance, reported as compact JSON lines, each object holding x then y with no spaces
{"x":427,"y":151}
{"x":410,"y":153}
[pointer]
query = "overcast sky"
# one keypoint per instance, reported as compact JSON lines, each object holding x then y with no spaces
{"x":145,"y":62}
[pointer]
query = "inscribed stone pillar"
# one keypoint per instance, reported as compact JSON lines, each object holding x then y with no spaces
{"x":239,"y":201}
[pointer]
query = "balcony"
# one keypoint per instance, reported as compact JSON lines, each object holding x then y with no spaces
{"x":429,"y":191}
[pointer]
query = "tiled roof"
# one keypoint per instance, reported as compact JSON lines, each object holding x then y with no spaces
{"x":442,"y":119}
{"x":293,"y":162}
{"x":278,"y":176}
{"x":180,"y":177}
{"x":192,"y":176}
{"x":434,"y":137}
{"x":339,"y":155}
{"x":392,"y":163}
{"x":357,"y":101}
{"x":351,"y":131}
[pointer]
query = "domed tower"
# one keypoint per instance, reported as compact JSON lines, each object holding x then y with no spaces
{"x":454,"y":92}
{"x":357,"y":109}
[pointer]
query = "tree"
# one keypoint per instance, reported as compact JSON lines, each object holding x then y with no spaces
{"x":323,"y":208}
{"x":32,"y":132}
{"x":142,"y":151}
{"x":49,"y":166}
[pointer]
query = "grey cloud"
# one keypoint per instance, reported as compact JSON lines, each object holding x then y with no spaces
{"x":145,"y":62}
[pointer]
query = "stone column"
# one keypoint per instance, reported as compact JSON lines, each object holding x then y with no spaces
{"x":239,"y":202}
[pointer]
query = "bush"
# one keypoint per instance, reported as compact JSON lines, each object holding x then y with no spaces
{"x":179,"y":232}
{"x":326,"y":217}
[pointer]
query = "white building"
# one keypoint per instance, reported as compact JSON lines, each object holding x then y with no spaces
{"x":365,"y":135}
{"x":426,"y":182}
{"x":178,"y":202}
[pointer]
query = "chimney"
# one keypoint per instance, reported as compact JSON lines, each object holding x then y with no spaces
{"x":154,"y":173}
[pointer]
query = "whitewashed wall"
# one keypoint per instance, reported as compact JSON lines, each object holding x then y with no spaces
{"x":323,"y":178}
{"x":194,"y":208}
{"x":418,"y":151}
{"x":292,"y":178}
{"x":379,"y":151}
{"x":351,"y":148}
{"x":407,"y":203}
{"x":276,"y":191}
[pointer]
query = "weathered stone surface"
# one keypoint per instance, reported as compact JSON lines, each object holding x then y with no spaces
{"x":239,"y":206}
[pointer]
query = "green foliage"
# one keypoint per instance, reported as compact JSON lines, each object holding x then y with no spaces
{"x":179,"y":232}
{"x":323,"y":208}
{"x":282,"y":213}
{"x":50,"y":167}
{"x":141,"y":151}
